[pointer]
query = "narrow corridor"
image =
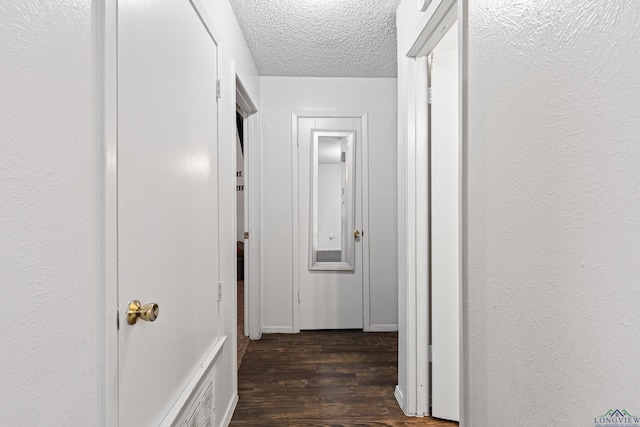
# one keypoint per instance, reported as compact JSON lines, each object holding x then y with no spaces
{"x":322,"y":378}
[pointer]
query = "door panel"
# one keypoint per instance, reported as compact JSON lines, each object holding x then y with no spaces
{"x":445,"y":222}
{"x":328,"y":299}
{"x":167,"y":202}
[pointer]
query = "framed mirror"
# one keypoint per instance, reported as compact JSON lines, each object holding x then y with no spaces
{"x":332,"y":213}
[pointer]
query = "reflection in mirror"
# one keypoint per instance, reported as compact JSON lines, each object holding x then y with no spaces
{"x":332,"y":207}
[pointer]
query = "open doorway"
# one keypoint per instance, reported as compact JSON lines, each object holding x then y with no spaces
{"x":243,"y":330}
{"x":247,"y":220}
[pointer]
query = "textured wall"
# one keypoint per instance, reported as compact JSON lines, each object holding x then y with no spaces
{"x":48,"y":215}
{"x":280,"y":97}
{"x":554,"y":210}
{"x":313,"y":38}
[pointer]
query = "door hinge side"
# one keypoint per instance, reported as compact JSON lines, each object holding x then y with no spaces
{"x":429,"y":93}
{"x":220,"y":291}
{"x":430,"y":349}
{"x":118,"y":319}
{"x":218,"y":91}
{"x":246,"y":235}
{"x":298,"y":296}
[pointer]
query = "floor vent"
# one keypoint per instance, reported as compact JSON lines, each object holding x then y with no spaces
{"x":202,"y":410}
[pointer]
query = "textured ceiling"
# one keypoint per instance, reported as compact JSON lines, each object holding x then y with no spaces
{"x":320,"y":38}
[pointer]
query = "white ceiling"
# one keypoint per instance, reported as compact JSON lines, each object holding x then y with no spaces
{"x":320,"y":38}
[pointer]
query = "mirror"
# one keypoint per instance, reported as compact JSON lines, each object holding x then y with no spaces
{"x":332,"y":200}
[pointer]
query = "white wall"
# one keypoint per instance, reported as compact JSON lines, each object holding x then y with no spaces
{"x":51,"y":172}
{"x":48,"y":215}
{"x":280,"y":96}
{"x":553,"y":209}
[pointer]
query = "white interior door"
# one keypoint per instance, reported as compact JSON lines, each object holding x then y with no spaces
{"x":328,"y":299}
{"x":445,"y":214}
{"x":167,"y":202}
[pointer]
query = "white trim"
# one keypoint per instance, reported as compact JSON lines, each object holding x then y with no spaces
{"x":192,"y":387}
{"x":295,"y":241}
{"x":252,"y":247}
{"x":230,"y":410}
{"x":444,"y":14}
{"x":423,"y":239}
{"x":399,"y":398}
{"x":366,"y":232}
{"x":279,"y":330}
{"x":409,"y":304}
{"x":243,"y":99}
{"x":465,"y":364}
{"x":364,"y":142}
{"x":391,"y":327}
{"x":206,"y":21}
{"x":254,"y":255}
{"x":414,"y":400}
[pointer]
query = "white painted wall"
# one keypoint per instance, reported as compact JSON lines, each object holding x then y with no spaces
{"x":51,"y":172}
{"x":280,"y":96}
{"x":48,"y":215}
{"x":553,"y":209}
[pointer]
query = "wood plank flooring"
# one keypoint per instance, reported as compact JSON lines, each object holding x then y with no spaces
{"x":322,"y":378}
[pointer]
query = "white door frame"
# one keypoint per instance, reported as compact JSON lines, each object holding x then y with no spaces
{"x":295,"y":211}
{"x":106,"y":87}
{"x":414,"y":302}
{"x":252,"y":312}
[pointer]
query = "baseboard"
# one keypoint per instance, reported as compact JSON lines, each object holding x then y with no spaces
{"x":277,"y":330}
{"x":399,"y":398}
{"x":383,"y":328}
{"x":230,"y":410}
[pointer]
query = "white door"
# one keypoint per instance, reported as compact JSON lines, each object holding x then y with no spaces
{"x":445,"y":214}
{"x":167,"y":202}
{"x":330,"y":298}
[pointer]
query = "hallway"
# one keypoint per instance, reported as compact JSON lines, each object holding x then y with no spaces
{"x":318,"y":378}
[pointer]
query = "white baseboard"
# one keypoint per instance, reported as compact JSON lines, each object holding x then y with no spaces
{"x":277,"y":330}
{"x":230,"y":410}
{"x":399,"y":398}
{"x":383,"y":328}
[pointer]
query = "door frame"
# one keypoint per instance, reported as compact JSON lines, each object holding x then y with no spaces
{"x":295,"y":242}
{"x":251,"y":159}
{"x":106,"y":94}
{"x":414,"y":301}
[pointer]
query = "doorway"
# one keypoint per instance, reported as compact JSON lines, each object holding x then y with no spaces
{"x":247,"y":218}
{"x":431,"y":337}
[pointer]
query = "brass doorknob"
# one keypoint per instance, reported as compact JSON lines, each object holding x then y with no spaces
{"x":147,"y":312}
{"x":356,"y":233}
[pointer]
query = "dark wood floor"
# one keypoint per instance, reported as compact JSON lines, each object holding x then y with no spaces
{"x":322,"y":378}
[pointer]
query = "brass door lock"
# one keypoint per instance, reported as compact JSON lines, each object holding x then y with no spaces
{"x":147,"y":312}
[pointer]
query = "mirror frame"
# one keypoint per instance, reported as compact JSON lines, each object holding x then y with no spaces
{"x":347,"y":262}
